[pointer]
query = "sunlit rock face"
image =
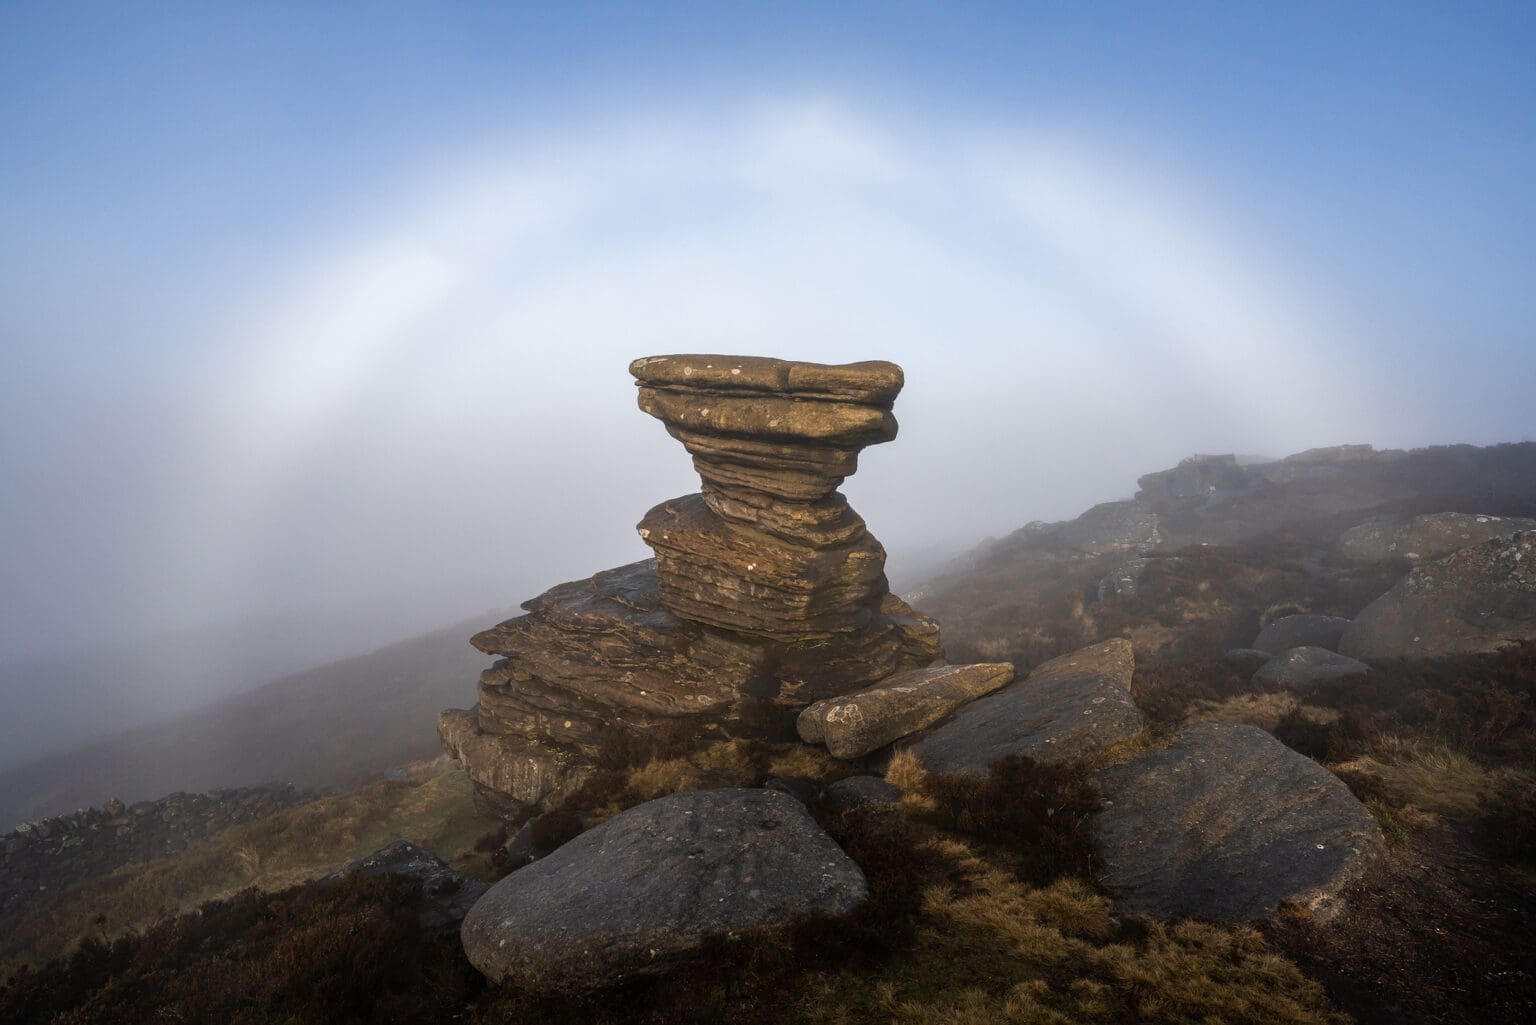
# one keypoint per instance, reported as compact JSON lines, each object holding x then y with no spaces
{"x":767,"y":591}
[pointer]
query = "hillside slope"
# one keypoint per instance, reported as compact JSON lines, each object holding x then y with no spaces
{"x":1208,"y":549}
{"x":319,"y":728}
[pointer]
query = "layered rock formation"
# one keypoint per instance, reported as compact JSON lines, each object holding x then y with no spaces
{"x":767,"y":591}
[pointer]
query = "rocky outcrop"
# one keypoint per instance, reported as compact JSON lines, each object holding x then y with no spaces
{"x":1426,"y":537}
{"x":1301,"y":631}
{"x":1124,"y":580}
{"x":1307,"y":667}
{"x":1227,"y":823}
{"x":445,"y":895}
{"x":866,"y":720}
{"x":48,"y":854}
{"x":652,"y":885}
{"x":1069,"y":707}
{"x":768,"y":548}
{"x":1476,"y":599}
{"x":767,"y":592}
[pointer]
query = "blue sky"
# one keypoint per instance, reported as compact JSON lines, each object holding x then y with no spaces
{"x":305,"y":303}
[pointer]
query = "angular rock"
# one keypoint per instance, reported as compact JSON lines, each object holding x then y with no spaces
{"x":446,"y":895}
{"x":1426,"y":537}
{"x":607,"y":646}
{"x":855,"y":724}
{"x":1246,"y":660}
{"x":652,"y":885}
{"x":1123,"y":580}
{"x":860,"y":792}
{"x":1069,"y":707}
{"x":1227,"y":823}
{"x":1307,"y":667}
{"x":1476,"y":599}
{"x":770,"y":427}
{"x":1301,"y":631}
{"x":523,"y":773}
{"x":874,"y":383}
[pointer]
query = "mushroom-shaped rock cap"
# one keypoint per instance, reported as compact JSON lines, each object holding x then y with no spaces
{"x":872,"y":383}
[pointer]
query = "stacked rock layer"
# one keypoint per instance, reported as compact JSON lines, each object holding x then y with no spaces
{"x":767,"y":591}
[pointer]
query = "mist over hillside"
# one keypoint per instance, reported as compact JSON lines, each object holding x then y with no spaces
{"x":60,"y":699}
{"x":318,"y":728}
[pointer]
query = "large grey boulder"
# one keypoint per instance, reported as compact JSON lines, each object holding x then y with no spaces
{"x":1426,"y":537}
{"x":652,"y":885}
{"x":1301,"y":631}
{"x":1476,"y":599}
{"x":855,"y":724}
{"x":1307,"y":667}
{"x":1226,"y":823}
{"x":1068,"y":707}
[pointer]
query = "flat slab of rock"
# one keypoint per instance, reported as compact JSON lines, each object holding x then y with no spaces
{"x":1476,"y":599}
{"x":1302,"y":631}
{"x":1227,"y":823}
{"x":650,"y":886}
{"x":855,"y":724}
{"x":1307,"y":667}
{"x":1069,"y":707}
{"x":1426,"y":537}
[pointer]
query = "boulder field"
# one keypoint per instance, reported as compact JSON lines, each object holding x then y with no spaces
{"x":766,"y":611}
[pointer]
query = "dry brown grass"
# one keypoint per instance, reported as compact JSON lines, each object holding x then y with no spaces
{"x":1264,"y":710}
{"x":1414,"y":778}
{"x":730,"y":763}
{"x":990,"y":949}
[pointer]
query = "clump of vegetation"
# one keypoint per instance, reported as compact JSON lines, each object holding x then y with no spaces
{"x":351,"y":951}
{"x":1038,"y":812}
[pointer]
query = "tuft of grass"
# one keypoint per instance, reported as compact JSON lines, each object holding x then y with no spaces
{"x":730,"y":763}
{"x":1264,"y":709}
{"x":1409,"y":773}
{"x":1038,"y":812}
